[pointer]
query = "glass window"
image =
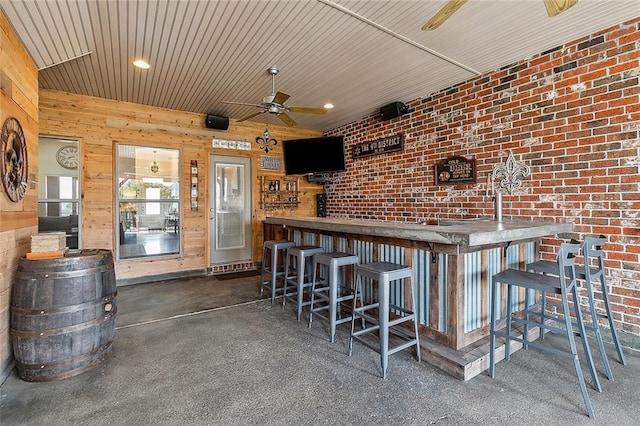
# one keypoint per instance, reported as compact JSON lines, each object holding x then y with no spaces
{"x":148,"y":201}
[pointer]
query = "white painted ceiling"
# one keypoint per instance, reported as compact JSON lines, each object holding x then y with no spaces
{"x":356,"y":54}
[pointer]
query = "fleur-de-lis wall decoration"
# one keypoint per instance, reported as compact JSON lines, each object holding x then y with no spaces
{"x":266,"y":142}
{"x":512,"y":173}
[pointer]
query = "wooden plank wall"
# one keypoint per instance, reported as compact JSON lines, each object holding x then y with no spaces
{"x":18,"y":221}
{"x":99,"y":124}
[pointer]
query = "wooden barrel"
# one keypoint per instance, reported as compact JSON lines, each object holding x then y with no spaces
{"x":63,"y":314}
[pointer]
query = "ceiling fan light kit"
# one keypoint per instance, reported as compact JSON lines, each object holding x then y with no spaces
{"x":273,"y":103}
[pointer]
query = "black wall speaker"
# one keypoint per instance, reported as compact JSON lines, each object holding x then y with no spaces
{"x":321,"y":204}
{"x":217,"y":122}
{"x":393,"y":110}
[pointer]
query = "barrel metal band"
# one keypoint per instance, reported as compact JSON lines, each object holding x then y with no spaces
{"x":63,"y":274}
{"x":63,"y":330}
{"x":63,"y":309}
{"x":66,"y":362}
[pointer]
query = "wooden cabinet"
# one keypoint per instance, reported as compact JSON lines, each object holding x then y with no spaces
{"x":277,"y":193}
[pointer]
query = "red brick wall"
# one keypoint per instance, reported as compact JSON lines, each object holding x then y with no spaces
{"x":572,"y":114}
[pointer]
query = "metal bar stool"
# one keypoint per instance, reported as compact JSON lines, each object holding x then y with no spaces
{"x":333,"y":292}
{"x":593,"y":253}
{"x":544,"y":283}
{"x":297,"y":266}
{"x":270,"y":271}
{"x":385,"y":274}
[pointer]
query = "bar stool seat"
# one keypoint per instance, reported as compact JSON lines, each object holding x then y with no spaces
{"x":297,"y":266}
{"x":385,"y":273}
{"x":545,"y":283}
{"x":332,"y":292}
{"x":273,"y":250}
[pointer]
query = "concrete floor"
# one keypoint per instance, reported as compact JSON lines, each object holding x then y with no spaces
{"x":244,"y":361}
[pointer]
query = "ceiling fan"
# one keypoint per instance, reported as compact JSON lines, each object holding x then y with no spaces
{"x":554,"y":7}
{"x":273,"y":103}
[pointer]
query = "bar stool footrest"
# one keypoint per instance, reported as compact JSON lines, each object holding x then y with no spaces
{"x":366,"y":330}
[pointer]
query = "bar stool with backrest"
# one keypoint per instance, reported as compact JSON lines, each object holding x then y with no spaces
{"x":328,"y":298}
{"x":385,"y":274}
{"x":593,"y":255}
{"x":559,"y":285}
{"x":272,"y":252}
{"x":297,"y":266}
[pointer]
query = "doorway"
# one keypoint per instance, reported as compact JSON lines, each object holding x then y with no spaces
{"x":59,"y":188}
{"x":230,"y":209}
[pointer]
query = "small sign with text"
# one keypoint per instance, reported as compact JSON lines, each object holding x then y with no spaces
{"x":454,"y":170}
{"x":379,"y":146}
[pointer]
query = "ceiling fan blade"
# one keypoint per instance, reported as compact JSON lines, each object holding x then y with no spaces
{"x":556,"y":7}
{"x":286,"y":119}
{"x":307,"y":110}
{"x":251,"y":116}
{"x":280,"y":98}
{"x":239,"y":103}
{"x":443,"y":14}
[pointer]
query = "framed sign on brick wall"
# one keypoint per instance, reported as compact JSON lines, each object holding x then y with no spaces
{"x":455,"y":170}
{"x":379,"y":146}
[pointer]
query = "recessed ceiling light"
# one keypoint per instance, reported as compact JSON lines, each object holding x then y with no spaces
{"x":328,"y":106}
{"x":139,"y":63}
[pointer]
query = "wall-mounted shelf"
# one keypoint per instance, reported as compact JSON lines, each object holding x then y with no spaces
{"x":278,"y":192}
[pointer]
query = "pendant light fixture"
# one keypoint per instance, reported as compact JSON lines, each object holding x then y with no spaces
{"x":154,"y":165}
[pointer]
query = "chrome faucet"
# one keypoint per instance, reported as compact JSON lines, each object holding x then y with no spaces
{"x":490,"y":192}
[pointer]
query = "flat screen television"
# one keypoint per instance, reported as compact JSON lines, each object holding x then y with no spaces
{"x":314,"y":155}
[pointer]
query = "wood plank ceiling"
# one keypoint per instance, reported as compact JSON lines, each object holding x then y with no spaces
{"x":356,"y":54}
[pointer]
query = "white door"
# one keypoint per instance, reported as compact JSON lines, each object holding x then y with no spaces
{"x":230,"y":209}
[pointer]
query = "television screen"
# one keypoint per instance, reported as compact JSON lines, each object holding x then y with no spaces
{"x":314,"y":155}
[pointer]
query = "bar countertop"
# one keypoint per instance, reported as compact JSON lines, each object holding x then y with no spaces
{"x":467,"y":232}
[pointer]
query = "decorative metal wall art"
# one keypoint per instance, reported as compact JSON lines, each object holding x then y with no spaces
{"x":266,"y":143}
{"x":13,"y":164}
{"x":512,"y":173}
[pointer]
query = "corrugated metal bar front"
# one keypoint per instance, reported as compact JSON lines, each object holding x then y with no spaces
{"x":297,"y":237}
{"x":363,"y":249}
{"x":394,"y":254}
{"x":472,"y":290}
{"x":422,"y":272}
{"x":443,"y":261}
{"x":326,"y":242}
{"x":343,"y":245}
{"x":309,"y":239}
{"x":512,"y":258}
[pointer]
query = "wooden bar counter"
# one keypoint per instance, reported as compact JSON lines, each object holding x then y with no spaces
{"x":453,"y":262}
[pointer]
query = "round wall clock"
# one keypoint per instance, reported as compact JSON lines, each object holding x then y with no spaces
{"x":67,"y":157}
{"x":13,"y":164}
